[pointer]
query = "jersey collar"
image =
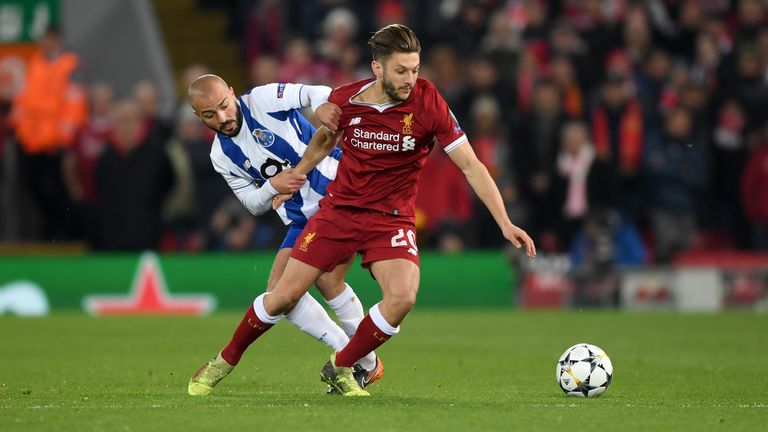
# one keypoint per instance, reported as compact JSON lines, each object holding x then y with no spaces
{"x":378,"y":107}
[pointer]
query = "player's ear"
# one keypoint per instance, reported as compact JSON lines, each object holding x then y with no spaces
{"x":377,"y":68}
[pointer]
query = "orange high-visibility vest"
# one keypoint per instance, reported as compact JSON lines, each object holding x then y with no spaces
{"x":50,"y":108}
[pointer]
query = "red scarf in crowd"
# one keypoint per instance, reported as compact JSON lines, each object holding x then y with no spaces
{"x":630,"y":136}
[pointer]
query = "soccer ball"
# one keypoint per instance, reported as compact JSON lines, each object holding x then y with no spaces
{"x":584,"y":370}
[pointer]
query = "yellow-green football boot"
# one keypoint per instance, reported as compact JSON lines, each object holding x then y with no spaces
{"x":341,"y":379}
{"x":206,"y":378}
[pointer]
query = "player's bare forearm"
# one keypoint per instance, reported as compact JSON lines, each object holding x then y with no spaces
{"x":485,"y":188}
{"x":319,"y":147}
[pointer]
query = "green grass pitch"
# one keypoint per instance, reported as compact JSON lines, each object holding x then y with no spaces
{"x":463,"y":370}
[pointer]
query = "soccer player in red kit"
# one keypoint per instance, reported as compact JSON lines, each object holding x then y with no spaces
{"x":388,"y":127}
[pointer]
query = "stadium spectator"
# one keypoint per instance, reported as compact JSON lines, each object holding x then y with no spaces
{"x":637,"y":35}
{"x":617,"y":133}
{"x":80,"y":159}
{"x":46,"y":116}
{"x":482,"y":81}
{"x":691,"y":19}
{"x":233,"y":228}
{"x":729,"y":155}
{"x":133,"y":177}
{"x":299,"y":64}
{"x":445,"y":208}
{"x":564,"y":77}
{"x":565,"y":41}
{"x":650,"y":79}
{"x":145,"y":96}
{"x":178,"y":210}
{"x":754,"y":190}
{"x":574,"y":162}
{"x":339,"y":31}
{"x":606,"y":241}
{"x":676,"y":177}
{"x":535,"y":144}
{"x":490,"y":141}
{"x":347,"y":67}
{"x":444,"y":69}
{"x":263,"y":70}
{"x":206,"y":191}
{"x":502,"y":45}
{"x":751,"y":17}
{"x":265,"y":29}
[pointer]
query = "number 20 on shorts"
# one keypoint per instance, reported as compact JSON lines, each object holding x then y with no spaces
{"x":398,"y":240}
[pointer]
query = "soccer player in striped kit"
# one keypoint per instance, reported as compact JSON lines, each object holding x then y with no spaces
{"x":388,"y":126}
{"x":261,"y":138}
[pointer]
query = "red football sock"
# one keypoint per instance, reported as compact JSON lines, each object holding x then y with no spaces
{"x":367,"y":338}
{"x":249,"y":330}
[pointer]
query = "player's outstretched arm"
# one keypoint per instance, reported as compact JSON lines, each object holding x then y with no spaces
{"x":319,"y":147}
{"x":485,"y":188}
{"x":258,"y":200}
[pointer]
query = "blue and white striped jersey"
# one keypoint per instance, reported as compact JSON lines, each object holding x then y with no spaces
{"x":273,"y":137}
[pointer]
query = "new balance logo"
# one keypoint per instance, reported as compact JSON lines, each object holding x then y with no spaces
{"x":354,"y":121}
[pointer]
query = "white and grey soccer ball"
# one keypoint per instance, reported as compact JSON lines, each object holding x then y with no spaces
{"x":584,"y":370}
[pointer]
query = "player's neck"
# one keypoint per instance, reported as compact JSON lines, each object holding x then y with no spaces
{"x":374,"y":94}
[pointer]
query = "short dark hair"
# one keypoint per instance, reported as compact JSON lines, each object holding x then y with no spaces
{"x":391,"y":39}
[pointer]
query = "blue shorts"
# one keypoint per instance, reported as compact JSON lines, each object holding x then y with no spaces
{"x":293,"y":233}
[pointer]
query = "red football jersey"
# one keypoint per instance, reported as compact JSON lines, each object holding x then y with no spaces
{"x":385,"y":146}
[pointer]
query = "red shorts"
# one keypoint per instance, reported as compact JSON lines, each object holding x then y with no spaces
{"x":334,"y":234}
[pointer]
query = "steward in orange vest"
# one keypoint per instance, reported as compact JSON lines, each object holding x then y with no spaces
{"x":50,"y":108}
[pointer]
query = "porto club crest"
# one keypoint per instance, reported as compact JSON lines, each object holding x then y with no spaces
{"x":263,"y":137}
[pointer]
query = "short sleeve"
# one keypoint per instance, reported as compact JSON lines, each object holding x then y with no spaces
{"x":335,"y":97}
{"x":447,"y":130}
{"x":276,"y":97}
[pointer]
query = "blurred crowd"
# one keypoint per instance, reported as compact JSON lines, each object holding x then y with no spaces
{"x":617,"y":130}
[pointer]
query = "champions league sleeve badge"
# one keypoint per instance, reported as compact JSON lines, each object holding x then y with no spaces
{"x":263,"y":137}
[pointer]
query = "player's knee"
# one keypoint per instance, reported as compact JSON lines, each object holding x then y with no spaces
{"x":409,"y":300}
{"x":282,"y":302}
{"x":403,"y":301}
{"x":290,"y":299}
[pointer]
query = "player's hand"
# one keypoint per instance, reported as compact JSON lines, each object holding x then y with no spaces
{"x":520,"y":238}
{"x":278,"y":200}
{"x":287,"y":181}
{"x":329,"y":114}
